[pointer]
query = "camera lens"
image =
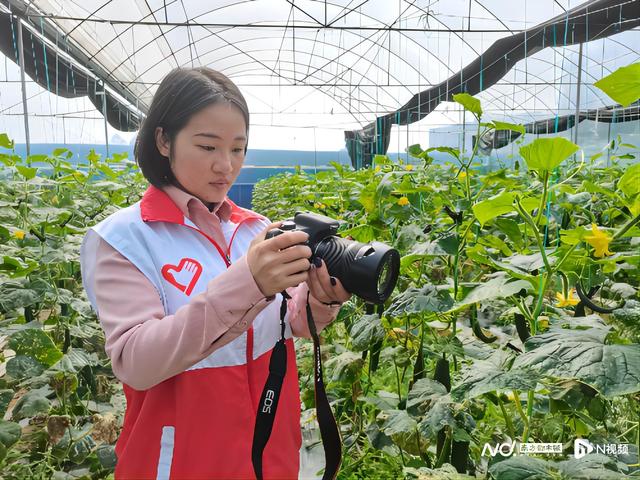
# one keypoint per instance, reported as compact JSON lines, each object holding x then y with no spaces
{"x":369,"y":270}
{"x":383,"y":278}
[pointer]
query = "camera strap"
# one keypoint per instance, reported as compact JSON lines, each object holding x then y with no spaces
{"x":329,"y":431}
{"x":270,"y":394}
{"x":267,"y":407}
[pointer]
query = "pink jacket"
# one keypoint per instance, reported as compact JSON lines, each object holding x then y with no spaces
{"x":187,"y":418}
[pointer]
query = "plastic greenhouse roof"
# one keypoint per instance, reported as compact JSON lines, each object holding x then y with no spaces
{"x":337,"y":63}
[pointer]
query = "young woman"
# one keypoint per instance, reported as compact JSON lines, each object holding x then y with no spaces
{"x":187,"y":291}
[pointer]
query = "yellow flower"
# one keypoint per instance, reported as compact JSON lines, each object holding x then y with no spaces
{"x":398,"y":332}
{"x":402,"y":201}
{"x":377,"y":169}
{"x":568,"y":301}
{"x":408,"y":167}
{"x":600,"y":241}
{"x":19,"y":234}
{"x":461,"y":176}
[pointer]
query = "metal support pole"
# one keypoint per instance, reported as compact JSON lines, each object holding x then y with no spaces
{"x":577,"y":120}
{"x":104,"y":113}
{"x":25,"y":112}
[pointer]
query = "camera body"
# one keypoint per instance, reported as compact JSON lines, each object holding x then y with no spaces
{"x":317,"y":226}
{"x":368,"y":270}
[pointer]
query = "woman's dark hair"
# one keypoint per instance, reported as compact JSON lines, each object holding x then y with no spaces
{"x":181,"y":94}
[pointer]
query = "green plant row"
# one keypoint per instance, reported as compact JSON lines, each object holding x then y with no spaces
{"x":60,"y":403}
{"x":516,"y":316}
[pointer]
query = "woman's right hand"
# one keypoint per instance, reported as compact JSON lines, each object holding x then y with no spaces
{"x":279,"y":262}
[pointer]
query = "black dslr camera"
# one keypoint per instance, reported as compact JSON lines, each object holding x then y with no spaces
{"x":368,"y":270}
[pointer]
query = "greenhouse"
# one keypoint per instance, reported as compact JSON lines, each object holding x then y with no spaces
{"x":308,"y":239}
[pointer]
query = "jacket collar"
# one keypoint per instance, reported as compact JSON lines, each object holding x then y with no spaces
{"x":157,"y":206}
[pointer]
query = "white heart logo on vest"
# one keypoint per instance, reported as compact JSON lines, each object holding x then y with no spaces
{"x":186,"y":275}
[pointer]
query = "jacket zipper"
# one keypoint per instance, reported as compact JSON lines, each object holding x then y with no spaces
{"x":227,"y":260}
{"x":226,"y":256}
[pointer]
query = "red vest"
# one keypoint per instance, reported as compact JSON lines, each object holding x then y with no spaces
{"x":198,"y":424}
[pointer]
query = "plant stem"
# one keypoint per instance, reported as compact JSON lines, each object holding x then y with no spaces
{"x":536,"y":232}
{"x":557,"y":266}
{"x":525,"y":421}
{"x":543,"y":199}
{"x":507,"y":418}
{"x":627,"y":226}
{"x":538,"y":308}
{"x":397,"y":381}
{"x":525,"y":435}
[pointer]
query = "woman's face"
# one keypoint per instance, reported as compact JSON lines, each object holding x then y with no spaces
{"x":207,"y":154}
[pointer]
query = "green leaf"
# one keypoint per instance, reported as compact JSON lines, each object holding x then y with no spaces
{"x":6,"y":142}
{"x":629,"y":314}
{"x":379,"y":440}
{"x":362,"y":233}
{"x":402,"y":429}
{"x":381,"y":160}
{"x":510,"y":228}
{"x":545,"y":154}
{"x":470,"y":103}
{"x":494,"y":207}
{"x":368,"y":197}
{"x":623,"y":85}
{"x":439,"y":416}
{"x":486,"y":377}
{"x":454,"y":152}
{"x":580,"y":198}
{"x":594,"y":465}
{"x":414,"y":150}
{"x":629,"y":183}
{"x":58,"y":152}
{"x":37,"y":344}
{"x":499,"y":287}
{"x":521,"y":467}
{"x":38,"y":157}
{"x":27,"y":172}
{"x":429,"y":298}
{"x":525,"y":263}
{"x":508,"y":126}
{"x":9,"y":433}
{"x":345,"y":367}
{"x":22,"y":366}
{"x":449,"y":243}
{"x":445,"y":472}
{"x":31,"y":404}
{"x":93,"y":157}
{"x":75,"y":360}
{"x":75,"y":445}
{"x":5,"y":398}
{"x":365,"y":332}
{"x":582,"y":355}
{"x":107,"y":456}
{"x":423,"y":393}
{"x":17,"y":267}
{"x":398,"y":355}
{"x":574,"y":236}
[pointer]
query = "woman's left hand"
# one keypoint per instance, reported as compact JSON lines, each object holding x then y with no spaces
{"x":323,"y":287}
